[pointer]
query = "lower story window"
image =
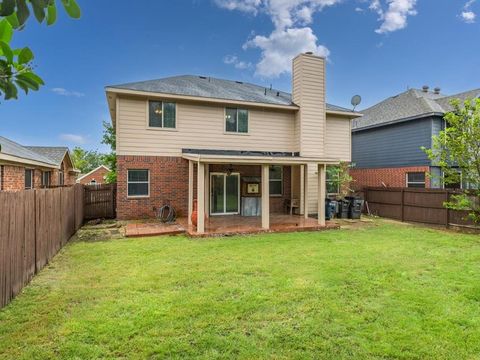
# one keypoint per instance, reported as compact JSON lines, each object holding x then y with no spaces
{"x":28,"y":179}
{"x":45,"y":178}
{"x":416,"y":180}
{"x":276,"y":180}
{"x":333,"y":180}
{"x":138,"y":183}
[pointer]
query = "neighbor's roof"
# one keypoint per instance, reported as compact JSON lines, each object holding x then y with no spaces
{"x":16,"y":150}
{"x":410,"y":104}
{"x":54,"y":153}
{"x":208,"y":87}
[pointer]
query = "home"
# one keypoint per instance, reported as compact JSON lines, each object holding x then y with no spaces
{"x":94,"y":177}
{"x":28,"y":167}
{"x":234,"y":149}
{"x":387,"y":140}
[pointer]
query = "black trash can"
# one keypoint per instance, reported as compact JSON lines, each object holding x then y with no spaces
{"x":334,"y":208}
{"x":328,"y":209}
{"x":343,"y":206}
{"x":355,"y":208}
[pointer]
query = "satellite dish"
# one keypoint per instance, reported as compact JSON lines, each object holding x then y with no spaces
{"x":356,"y":100}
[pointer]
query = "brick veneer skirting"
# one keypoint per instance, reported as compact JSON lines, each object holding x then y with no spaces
{"x":169,"y":183}
{"x":391,"y":177}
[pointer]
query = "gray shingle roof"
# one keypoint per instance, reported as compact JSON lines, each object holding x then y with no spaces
{"x":208,"y":87}
{"x":54,"y":153}
{"x":410,"y":104}
{"x":12,"y":148}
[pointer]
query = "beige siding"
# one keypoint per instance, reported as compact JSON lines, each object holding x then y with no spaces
{"x":338,"y":139}
{"x":309,"y":93}
{"x":200,"y":127}
{"x":312,"y":188}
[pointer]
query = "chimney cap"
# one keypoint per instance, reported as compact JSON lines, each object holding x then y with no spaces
{"x":309,"y":53}
{"x":437,"y":90}
{"x":425,"y":88}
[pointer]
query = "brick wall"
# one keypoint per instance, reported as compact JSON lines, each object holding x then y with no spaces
{"x":13,"y":178}
{"x":169,"y":182}
{"x":98,"y":176}
{"x":391,"y":177}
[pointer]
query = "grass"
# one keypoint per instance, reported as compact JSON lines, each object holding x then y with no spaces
{"x":382,"y":291}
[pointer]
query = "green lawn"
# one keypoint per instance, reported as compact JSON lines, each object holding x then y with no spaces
{"x":381,"y":291}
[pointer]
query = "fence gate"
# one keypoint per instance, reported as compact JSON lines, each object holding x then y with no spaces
{"x":100,"y":201}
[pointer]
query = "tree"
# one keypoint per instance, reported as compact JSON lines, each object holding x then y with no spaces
{"x":16,"y":65}
{"x":456,"y":150}
{"x":110,"y":139}
{"x":87,"y":160}
{"x":339,"y":178}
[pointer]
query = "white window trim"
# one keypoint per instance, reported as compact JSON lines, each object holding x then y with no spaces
{"x":277,"y":180}
{"x":162,"y":128}
{"x":32,"y":172}
{"x":226,"y":132}
{"x":424,"y":183}
{"x":138,"y":182}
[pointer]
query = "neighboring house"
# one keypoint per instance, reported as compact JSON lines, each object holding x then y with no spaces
{"x":94,"y":177}
{"x":28,"y":167}
{"x":235,"y":147}
{"x":387,"y":139}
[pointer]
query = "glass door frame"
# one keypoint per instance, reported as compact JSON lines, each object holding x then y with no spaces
{"x":224,"y":174}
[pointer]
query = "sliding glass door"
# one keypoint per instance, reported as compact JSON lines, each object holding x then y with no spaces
{"x":224,"y":193}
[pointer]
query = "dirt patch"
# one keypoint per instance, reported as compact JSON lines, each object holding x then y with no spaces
{"x":102,"y":230}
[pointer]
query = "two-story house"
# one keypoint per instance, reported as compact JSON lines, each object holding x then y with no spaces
{"x":387,"y":140}
{"x":232,"y":148}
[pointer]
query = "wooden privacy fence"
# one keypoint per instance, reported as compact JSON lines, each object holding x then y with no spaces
{"x":100,"y":201}
{"x":34,"y":225}
{"x":415,"y":205}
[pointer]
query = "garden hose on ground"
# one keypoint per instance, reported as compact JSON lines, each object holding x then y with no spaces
{"x":167,"y":214}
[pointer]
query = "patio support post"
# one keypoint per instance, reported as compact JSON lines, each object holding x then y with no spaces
{"x":321,"y":194}
{"x":302,"y":190}
{"x":207,"y":191}
{"x":265,"y":197}
{"x":190,"y":191}
{"x":200,"y":198}
{"x":305,"y":192}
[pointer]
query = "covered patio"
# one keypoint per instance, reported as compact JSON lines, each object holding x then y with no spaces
{"x":202,"y":184}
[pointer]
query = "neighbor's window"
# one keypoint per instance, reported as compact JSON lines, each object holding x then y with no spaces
{"x":416,"y":180}
{"x":276,"y":180}
{"x":162,"y":114}
{"x":28,"y":179}
{"x":138,"y":183}
{"x":61,"y":178}
{"x":236,"y":120}
{"x":332,"y":180}
{"x":45,"y":178}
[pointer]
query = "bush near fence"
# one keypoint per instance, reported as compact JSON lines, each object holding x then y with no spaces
{"x":34,"y":225}
{"x":415,"y":205}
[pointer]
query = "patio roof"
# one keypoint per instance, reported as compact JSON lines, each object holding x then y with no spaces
{"x":212,"y":156}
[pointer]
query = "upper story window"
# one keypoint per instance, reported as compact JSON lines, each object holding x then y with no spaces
{"x":162,"y":114}
{"x":416,"y":180}
{"x":236,"y":120}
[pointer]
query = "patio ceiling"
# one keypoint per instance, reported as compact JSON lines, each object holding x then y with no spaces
{"x":256,"y":160}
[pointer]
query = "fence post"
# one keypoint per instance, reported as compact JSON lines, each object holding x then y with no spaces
{"x":402,"y":203}
{"x":447,"y":215}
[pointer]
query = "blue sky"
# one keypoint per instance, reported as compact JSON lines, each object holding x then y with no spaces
{"x":375,"y":48}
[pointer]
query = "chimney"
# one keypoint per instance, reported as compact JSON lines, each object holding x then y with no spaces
{"x":308,"y":92}
{"x":437,"y":90}
{"x":425,"y":88}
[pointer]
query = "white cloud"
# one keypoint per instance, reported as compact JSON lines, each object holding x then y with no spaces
{"x":395,"y":16}
{"x":239,"y":64}
{"x":290,"y":37}
{"x":281,"y":46}
{"x":73,"y":138}
{"x":467,"y":15}
{"x":65,"y":92}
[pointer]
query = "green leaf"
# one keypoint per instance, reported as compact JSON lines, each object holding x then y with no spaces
{"x":72,"y":8}
{"x":28,"y":82}
{"x":6,"y":31}
{"x":51,"y":14}
{"x":22,"y":12}
{"x":23,"y":85}
{"x":38,"y":9}
{"x":10,"y":91}
{"x":6,"y":51}
{"x":8,"y":7}
{"x":25,"y":56}
{"x":37,"y":79}
{"x":13,"y":20}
